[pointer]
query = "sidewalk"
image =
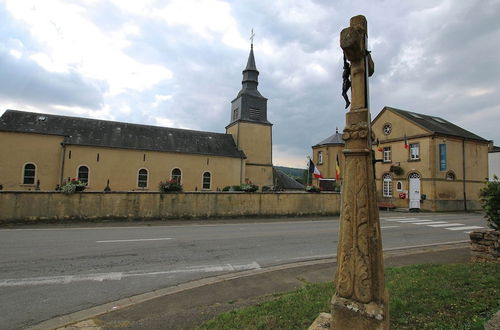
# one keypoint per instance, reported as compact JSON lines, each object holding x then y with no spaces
{"x":188,"y":305}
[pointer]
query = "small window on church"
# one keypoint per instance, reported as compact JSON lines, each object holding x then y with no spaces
{"x":177,"y":175}
{"x":29,"y":174}
{"x":142,"y":178}
{"x":83,"y":174}
{"x":207,"y":180}
{"x":235,"y":114}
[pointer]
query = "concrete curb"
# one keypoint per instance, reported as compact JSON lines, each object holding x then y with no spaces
{"x":86,"y":314}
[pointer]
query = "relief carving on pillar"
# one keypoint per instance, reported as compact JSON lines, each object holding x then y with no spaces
{"x":354,"y":275}
{"x":356,"y":131}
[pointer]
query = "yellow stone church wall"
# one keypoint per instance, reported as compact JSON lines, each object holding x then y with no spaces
{"x":17,"y":149}
{"x":120,"y":166}
{"x":255,"y":140}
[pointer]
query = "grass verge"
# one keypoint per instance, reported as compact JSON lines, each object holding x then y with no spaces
{"x":457,"y":296}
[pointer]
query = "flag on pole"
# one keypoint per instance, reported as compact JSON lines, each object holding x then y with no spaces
{"x":314,"y":170}
{"x":379,"y":147}
{"x":337,"y":169}
{"x":406,"y":143}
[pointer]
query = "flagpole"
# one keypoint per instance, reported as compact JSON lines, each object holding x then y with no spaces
{"x":307,"y":171}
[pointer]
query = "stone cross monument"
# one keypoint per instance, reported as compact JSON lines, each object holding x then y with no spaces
{"x":361,"y":300}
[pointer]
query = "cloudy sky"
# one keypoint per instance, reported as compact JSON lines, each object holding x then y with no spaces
{"x":178,"y":63}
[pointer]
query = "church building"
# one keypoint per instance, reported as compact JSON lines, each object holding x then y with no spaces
{"x":42,"y":151}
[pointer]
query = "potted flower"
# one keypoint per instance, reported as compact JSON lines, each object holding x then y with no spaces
{"x":73,"y":186}
{"x":169,"y":186}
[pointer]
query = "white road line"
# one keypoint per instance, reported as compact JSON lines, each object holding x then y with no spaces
{"x":116,"y":276}
{"x":448,"y":225}
{"x":399,"y":219}
{"x":431,"y":223}
{"x":385,"y":227}
{"x":465,"y":228}
{"x":135,"y":240}
{"x":414,"y":221}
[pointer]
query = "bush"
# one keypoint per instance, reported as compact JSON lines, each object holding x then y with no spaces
{"x":490,"y":200}
{"x":169,"y":186}
{"x":312,"y":189}
{"x":73,"y":186}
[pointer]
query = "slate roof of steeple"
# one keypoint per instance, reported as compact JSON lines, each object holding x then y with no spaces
{"x":435,"y":124}
{"x":111,"y":134}
{"x":251,"y":61}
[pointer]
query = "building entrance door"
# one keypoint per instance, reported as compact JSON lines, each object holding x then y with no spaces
{"x":414,"y":191}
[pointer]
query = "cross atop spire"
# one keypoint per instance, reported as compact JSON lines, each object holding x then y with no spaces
{"x":251,"y":38}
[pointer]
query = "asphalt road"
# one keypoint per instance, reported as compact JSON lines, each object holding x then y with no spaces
{"x":50,"y":271}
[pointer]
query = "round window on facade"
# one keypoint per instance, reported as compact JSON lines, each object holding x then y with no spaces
{"x":387,"y":128}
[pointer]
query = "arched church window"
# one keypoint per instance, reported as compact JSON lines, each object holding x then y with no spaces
{"x":83,"y":174}
{"x":450,"y":176}
{"x":207,"y":180}
{"x":177,"y":175}
{"x":29,"y":173}
{"x":387,"y":185}
{"x":142,"y":178}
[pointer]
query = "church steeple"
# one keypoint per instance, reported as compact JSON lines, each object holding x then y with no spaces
{"x":251,"y":131}
{"x":249,"y":104}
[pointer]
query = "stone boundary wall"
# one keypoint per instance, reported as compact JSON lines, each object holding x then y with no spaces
{"x":33,"y":206}
{"x":485,"y":245}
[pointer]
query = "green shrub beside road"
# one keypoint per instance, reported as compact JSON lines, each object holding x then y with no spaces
{"x":460,"y":296}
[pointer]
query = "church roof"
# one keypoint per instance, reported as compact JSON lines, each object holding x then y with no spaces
{"x":251,"y":61}
{"x":111,"y":134}
{"x":334,"y":139}
{"x":283,"y":181}
{"x":435,"y":124}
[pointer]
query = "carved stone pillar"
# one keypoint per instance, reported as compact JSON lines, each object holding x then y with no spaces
{"x":361,"y":300}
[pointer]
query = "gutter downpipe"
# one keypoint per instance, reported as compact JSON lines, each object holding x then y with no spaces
{"x":463,"y":169}
{"x":63,"y":158}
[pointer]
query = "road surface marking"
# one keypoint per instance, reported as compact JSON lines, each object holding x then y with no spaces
{"x":385,"y":227}
{"x":116,"y":276}
{"x":448,"y":225}
{"x":136,"y":240}
{"x":465,"y":228}
{"x":414,"y":221}
{"x":399,"y":219}
{"x":431,"y":223}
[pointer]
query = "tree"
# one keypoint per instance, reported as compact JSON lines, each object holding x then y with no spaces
{"x":490,"y":199}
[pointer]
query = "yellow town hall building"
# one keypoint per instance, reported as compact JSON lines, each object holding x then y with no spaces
{"x":425,"y":162}
{"x":41,"y":151}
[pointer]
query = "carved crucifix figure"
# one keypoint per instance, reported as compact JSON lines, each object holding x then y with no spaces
{"x":360,"y":301}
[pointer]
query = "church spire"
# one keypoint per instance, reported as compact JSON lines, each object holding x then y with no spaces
{"x":250,"y":74}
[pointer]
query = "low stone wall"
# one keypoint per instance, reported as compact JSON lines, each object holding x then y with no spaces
{"x":485,"y":245}
{"x":53,"y":206}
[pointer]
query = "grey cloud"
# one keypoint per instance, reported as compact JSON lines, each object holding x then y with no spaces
{"x":28,"y":82}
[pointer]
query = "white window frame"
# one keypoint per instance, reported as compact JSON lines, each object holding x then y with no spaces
{"x":203,"y":181}
{"x":139,"y":180}
{"x":387,"y":154}
{"x":320,"y":157}
{"x":88,"y":173}
{"x":23,"y":172}
{"x":387,"y":185}
{"x":180,"y":175}
{"x":414,"y":155}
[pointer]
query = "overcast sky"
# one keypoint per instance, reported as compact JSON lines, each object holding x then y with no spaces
{"x":178,"y":63}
